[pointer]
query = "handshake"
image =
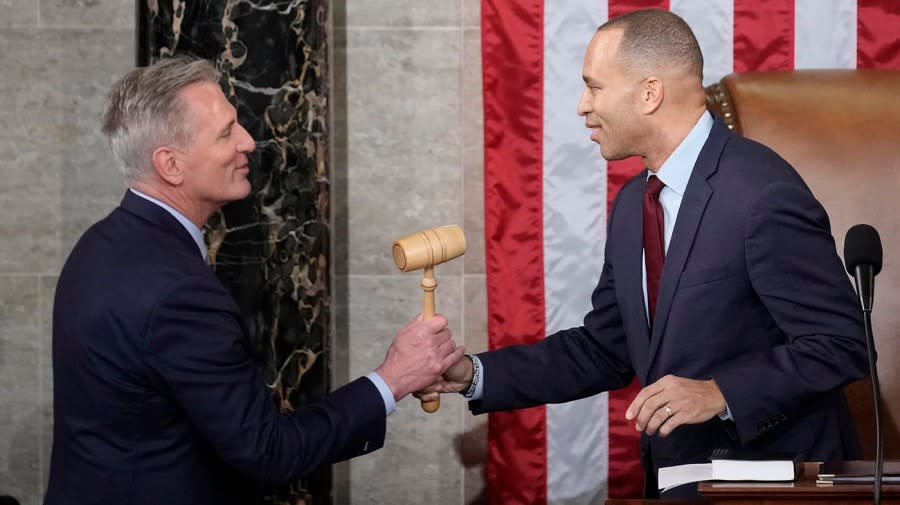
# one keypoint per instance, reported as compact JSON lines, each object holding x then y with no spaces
{"x":424,"y":360}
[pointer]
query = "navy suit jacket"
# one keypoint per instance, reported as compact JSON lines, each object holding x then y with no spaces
{"x":156,"y":399}
{"x":752,"y":295}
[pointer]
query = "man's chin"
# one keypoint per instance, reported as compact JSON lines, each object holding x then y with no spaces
{"x":244,"y":192}
{"x":613,"y":156}
{"x":608,"y":156}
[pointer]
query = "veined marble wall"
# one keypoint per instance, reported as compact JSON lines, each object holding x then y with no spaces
{"x":406,"y":134}
{"x":57,"y":60}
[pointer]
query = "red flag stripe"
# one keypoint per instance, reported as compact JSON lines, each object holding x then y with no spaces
{"x":512,"y":52}
{"x":763,"y":35}
{"x":626,"y":477}
{"x":877,"y":29}
{"x":619,"y":7}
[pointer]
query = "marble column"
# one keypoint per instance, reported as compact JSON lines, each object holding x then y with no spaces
{"x":272,"y":249}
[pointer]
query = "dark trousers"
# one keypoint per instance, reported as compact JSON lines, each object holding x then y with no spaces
{"x":651,"y":488}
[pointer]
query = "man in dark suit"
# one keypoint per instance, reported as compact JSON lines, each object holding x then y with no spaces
{"x":156,"y":399}
{"x":721,"y":288}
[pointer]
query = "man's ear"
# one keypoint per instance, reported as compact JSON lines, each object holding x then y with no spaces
{"x":166,"y":165}
{"x":652,"y":92}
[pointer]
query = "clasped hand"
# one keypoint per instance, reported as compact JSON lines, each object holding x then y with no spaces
{"x":456,"y":379}
{"x":419,"y":354}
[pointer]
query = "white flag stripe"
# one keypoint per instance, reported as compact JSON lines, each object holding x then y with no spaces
{"x":825,"y":34}
{"x":713,"y":25}
{"x":574,"y":209}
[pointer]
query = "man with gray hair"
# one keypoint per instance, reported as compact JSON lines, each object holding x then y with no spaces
{"x":156,"y":399}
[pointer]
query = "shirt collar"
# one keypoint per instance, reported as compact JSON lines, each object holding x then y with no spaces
{"x":676,"y":170}
{"x":195,"y":232}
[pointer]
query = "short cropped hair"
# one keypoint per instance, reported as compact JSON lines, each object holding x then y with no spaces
{"x":143,"y":110}
{"x":654,"y":39}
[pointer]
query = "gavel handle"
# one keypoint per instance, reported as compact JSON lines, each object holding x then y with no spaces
{"x":429,"y":284}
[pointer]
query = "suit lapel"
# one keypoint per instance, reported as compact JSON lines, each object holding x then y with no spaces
{"x":632,"y":277}
{"x":693,"y":204}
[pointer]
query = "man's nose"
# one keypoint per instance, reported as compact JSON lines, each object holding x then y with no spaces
{"x":246,"y":144}
{"x":584,"y":106}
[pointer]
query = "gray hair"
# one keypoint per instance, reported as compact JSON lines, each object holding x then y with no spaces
{"x":654,"y":39}
{"x":143,"y":110}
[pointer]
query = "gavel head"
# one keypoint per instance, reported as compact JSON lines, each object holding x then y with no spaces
{"x":429,"y":247}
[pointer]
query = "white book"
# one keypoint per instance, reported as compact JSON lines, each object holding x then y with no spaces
{"x":726,"y":469}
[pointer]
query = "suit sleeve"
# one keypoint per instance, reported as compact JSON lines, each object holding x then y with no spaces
{"x":194,"y":343}
{"x":568,"y":365}
{"x":794,"y":269}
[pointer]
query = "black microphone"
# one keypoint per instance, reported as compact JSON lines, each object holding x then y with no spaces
{"x":862,"y":256}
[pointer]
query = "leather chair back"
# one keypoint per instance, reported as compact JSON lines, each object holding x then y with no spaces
{"x":841,"y":130}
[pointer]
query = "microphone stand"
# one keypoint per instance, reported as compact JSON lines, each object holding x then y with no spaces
{"x":866,"y":303}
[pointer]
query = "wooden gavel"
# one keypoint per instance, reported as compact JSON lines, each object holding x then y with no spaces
{"x":425,"y":249}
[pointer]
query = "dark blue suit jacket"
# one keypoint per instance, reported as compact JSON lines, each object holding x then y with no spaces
{"x":156,"y":399}
{"x":752,"y":295}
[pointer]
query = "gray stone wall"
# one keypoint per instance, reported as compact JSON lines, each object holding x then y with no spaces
{"x":407,"y":156}
{"x":57,"y":59}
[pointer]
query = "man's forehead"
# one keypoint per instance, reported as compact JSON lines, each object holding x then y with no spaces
{"x":205,"y":98}
{"x":200,"y":92}
{"x":601,"y":51}
{"x":606,"y":40}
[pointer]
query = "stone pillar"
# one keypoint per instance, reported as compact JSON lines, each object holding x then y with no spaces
{"x":271,"y":249}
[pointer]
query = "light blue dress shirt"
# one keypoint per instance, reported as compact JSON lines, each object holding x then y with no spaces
{"x":674,"y":173}
{"x":193,"y":229}
{"x":389,"y":404}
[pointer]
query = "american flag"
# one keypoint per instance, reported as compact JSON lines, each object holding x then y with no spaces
{"x":547,"y":192}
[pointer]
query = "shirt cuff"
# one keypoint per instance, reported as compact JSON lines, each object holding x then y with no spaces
{"x":477,"y":380}
{"x":389,"y":404}
{"x":726,"y":416}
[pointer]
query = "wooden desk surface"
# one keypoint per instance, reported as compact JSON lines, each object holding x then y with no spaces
{"x":655,"y":502}
{"x":803,"y":491}
{"x":795,"y":492}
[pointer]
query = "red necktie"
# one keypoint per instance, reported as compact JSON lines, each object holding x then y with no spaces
{"x":654,"y":241}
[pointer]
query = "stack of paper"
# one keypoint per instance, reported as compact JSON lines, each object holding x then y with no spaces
{"x":727,"y":469}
